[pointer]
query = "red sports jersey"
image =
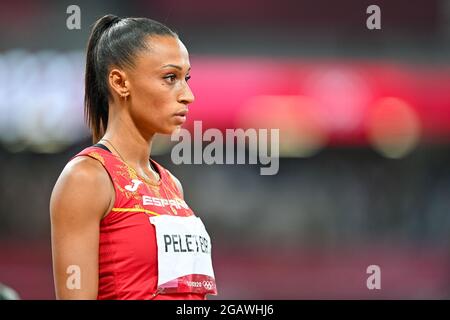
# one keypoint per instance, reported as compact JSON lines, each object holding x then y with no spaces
{"x":128,"y":248}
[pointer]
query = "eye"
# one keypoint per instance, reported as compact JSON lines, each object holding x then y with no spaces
{"x":187,"y":78}
{"x":171,"y":78}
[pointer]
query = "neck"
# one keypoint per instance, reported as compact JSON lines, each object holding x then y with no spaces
{"x":129,"y":142}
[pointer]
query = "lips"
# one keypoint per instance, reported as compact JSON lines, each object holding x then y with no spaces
{"x":182,"y":113}
{"x":180,"y":116}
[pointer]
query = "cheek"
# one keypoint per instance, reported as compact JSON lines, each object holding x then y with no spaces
{"x":154,"y":102}
{"x":145,"y":94}
{"x":154,"y":91}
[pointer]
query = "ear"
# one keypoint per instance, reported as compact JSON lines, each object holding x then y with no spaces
{"x":119,"y":83}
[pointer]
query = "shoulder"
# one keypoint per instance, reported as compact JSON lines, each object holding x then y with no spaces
{"x":86,"y":170}
{"x":82,"y":184}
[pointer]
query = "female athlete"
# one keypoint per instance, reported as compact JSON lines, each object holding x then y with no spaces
{"x":120,"y":226}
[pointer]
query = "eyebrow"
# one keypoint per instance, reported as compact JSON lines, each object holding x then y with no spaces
{"x":173,"y":66}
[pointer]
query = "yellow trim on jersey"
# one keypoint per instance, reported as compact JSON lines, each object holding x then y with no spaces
{"x":134,"y":210}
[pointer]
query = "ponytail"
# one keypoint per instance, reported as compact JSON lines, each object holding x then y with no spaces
{"x":113,"y":41}
{"x":95,"y":100}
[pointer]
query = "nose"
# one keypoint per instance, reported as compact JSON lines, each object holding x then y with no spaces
{"x":186,"y":96}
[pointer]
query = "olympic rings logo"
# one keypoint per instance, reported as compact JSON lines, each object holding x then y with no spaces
{"x":207,"y":284}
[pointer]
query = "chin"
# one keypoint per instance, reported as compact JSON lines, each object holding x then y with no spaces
{"x":170,"y":130}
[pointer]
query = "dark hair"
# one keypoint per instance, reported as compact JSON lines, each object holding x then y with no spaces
{"x":113,"y":41}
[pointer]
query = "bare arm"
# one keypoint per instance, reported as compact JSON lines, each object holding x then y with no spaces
{"x":80,"y":198}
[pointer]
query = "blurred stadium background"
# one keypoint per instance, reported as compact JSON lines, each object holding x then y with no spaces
{"x":364,"y":119}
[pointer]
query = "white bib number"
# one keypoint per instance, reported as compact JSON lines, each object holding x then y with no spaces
{"x":184,"y":255}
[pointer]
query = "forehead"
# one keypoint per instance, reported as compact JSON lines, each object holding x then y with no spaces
{"x":163,"y":50}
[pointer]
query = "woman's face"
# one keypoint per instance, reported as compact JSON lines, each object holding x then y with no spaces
{"x":159,"y":92}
